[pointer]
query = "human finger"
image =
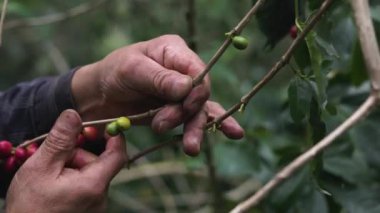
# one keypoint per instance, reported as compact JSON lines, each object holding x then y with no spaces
{"x":110,"y":162}
{"x":230,"y":127}
{"x":193,"y":133}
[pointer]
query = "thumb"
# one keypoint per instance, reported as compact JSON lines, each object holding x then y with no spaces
{"x":60,"y":142}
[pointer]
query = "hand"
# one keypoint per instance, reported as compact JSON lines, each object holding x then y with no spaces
{"x":45,"y":183}
{"x":148,"y":75}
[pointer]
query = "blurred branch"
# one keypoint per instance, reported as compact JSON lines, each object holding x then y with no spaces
{"x":129,"y":202}
{"x":2,"y":18}
{"x":216,"y":196}
{"x":158,"y":183}
{"x":57,"y":58}
{"x":181,"y":183}
{"x":198,"y":199}
{"x":301,"y":160}
{"x":56,"y":17}
{"x":275,"y":69}
{"x":243,"y":190}
{"x":368,"y":41}
{"x":155,"y":169}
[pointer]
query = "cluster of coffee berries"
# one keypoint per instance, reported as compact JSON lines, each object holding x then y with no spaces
{"x":118,"y":126}
{"x":88,"y":134}
{"x":12,"y":157}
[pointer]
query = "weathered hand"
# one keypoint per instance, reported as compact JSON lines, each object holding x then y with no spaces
{"x":62,"y":178}
{"x":148,"y":75}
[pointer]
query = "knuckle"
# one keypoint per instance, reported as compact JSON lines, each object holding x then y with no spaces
{"x":159,"y":80}
{"x":59,"y":140}
{"x":173,"y":37}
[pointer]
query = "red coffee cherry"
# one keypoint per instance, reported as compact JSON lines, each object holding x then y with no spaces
{"x":90,"y":133}
{"x":5,"y":148}
{"x":20,"y":154}
{"x":293,"y":32}
{"x":10,"y":164}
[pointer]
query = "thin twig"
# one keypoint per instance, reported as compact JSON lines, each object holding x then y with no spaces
{"x":368,"y":41}
{"x":56,"y":17}
{"x":216,"y":195}
{"x":132,"y":118}
{"x":275,"y":69}
{"x":174,"y":140}
{"x":236,"y":31}
{"x":2,"y":18}
{"x":300,"y":161}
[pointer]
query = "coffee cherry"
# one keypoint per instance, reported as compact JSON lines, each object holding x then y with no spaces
{"x":5,"y":148}
{"x":123,"y":123}
{"x":293,"y":32}
{"x":90,"y":133}
{"x":112,"y":129}
{"x":31,"y":149}
{"x":10,"y":164}
{"x":20,"y":154}
{"x":240,"y":42}
{"x":80,"y":140}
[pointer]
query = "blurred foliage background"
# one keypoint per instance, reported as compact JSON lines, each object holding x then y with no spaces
{"x":284,"y":119}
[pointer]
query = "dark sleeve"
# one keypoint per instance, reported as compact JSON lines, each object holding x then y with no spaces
{"x":29,"y":109}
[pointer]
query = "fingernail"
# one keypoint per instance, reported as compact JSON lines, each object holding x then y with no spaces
{"x":192,"y":146}
{"x":163,"y":126}
{"x":70,"y":118}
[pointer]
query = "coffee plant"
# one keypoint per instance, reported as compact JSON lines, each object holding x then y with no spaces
{"x":301,"y":76}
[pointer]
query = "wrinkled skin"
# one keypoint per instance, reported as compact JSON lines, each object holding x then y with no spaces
{"x":62,"y":178}
{"x":147,"y":75}
{"x":157,"y":73}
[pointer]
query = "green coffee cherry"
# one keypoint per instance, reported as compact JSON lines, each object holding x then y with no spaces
{"x":240,"y":42}
{"x":112,"y":129}
{"x":123,"y":123}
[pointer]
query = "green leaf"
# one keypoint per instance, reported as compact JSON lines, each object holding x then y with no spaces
{"x":231,"y":161}
{"x":357,"y":200}
{"x":316,"y":64}
{"x":317,"y":124}
{"x":366,"y":135}
{"x":290,"y":191}
{"x":300,"y":93}
{"x":328,"y":48}
{"x":302,"y":57}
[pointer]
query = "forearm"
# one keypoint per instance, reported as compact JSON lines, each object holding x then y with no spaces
{"x":29,"y":109}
